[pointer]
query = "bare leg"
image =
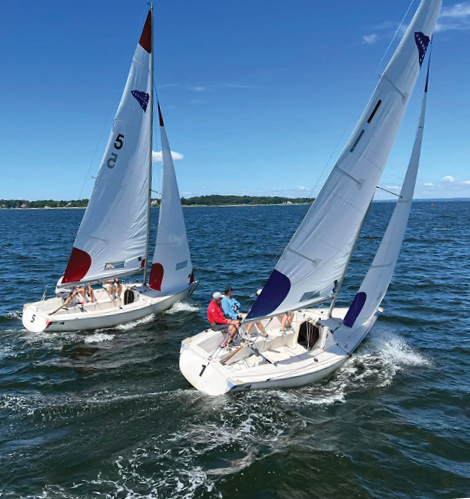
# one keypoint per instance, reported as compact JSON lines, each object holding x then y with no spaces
{"x":82,"y":292}
{"x":283,"y":322}
{"x":261,"y":329}
{"x":290,"y":318}
{"x":232,"y":331}
{"x":92,"y":294}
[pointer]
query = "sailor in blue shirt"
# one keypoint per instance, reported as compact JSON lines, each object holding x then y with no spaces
{"x":230,"y":306}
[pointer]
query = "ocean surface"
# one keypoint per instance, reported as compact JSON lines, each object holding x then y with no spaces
{"x":107,"y":413}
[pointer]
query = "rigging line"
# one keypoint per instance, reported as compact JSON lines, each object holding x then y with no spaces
{"x":98,"y":143}
{"x":340,"y":140}
{"x":394,"y":36}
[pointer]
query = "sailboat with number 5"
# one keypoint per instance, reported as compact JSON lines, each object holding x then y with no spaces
{"x":113,"y":238}
{"x":309,"y":274}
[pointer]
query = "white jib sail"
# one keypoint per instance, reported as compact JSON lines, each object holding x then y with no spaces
{"x":317,"y":255}
{"x":172,"y":269}
{"x":378,"y":278}
{"x":111,"y":239}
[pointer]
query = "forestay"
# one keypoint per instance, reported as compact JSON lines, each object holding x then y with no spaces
{"x":378,"y":278}
{"x":316,"y":257}
{"x":171,"y":268}
{"x":112,"y":237}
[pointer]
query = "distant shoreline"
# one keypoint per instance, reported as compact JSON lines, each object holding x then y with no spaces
{"x":184,"y":206}
{"x":298,"y":202}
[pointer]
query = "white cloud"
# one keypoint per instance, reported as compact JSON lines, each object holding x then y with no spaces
{"x":198,"y":88}
{"x":448,"y":178}
{"x":303,"y":188}
{"x":466,"y":182}
{"x":458,"y":10}
{"x":455,"y":17}
{"x":429,"y":184}
{"x":157,"y":156}
{"x":370,"y":39}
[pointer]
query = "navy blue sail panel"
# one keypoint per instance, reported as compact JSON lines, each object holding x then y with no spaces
{"x":273,"y":294}
{"x":355,"y":309}
{"x":422,"y":42}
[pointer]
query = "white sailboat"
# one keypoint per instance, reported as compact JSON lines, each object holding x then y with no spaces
{"x":314,"y":263}
{"x":113,"y":238}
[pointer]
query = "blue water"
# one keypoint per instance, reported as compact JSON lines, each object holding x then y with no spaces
{"x":108,"y":414}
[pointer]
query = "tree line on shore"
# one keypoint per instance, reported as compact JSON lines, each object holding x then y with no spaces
{"x":210,"y":200}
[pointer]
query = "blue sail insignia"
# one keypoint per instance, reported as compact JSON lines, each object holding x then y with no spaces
{"x":142,"y":98}
{"x":422,"y":42}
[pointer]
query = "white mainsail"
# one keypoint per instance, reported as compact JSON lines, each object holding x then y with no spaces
{"x":378,"y":278}
{"x":171,"y":268}
{"x":317,"y":255}
{"x":112,"y":237}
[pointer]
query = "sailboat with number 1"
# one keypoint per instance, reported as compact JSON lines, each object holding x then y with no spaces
{"x":113,"y":238}
{"x":310,"y":271}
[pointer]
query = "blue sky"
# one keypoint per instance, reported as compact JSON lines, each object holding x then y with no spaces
{"x":259,"y":97}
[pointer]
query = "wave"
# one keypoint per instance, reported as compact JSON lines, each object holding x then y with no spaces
{"x":139,"y":322}
{"x":182,"y":306}
{"x":98,"y":338}
{"x":11,"y":316}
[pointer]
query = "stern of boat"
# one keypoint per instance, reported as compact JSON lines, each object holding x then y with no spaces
{"x":196,"y":366}
{"x":34,"y":319}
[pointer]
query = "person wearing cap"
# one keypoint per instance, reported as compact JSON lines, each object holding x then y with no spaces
{"x":218,"y":322}
{"x":230,"y":306}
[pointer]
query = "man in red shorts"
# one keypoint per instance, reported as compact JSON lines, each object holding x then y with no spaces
{"x":218,"y":322}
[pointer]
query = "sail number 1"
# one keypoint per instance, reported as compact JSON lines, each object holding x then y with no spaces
{"x":118,"y":143}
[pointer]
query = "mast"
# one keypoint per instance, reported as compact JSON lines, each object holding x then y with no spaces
{"x":149,"y":207}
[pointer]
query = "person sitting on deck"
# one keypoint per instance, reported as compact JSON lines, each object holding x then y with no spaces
{"x":218,"y":322}
{"x":68,"y":294}
{"x":230,"y":306}
{"x":114,"y":288}
{"x":286,"y":321}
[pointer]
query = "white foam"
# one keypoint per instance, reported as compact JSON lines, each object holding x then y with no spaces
{"x":138,"y":322}
{"x":98,"y":338}
{"x":182,"y":307}
{"x":379,"y":360}
{"x":13,"y":315}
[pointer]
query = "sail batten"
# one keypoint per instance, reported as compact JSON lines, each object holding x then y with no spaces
{"x":336,"y":214}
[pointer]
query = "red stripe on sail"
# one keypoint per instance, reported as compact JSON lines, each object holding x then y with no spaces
{"x":146,"y":38}
{"x":160,"y":115}
{"x":156,"y":276}
{"x":78,"y":266}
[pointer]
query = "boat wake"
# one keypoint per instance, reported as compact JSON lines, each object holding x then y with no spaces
{"x":236,"y":430}
{"x":10,"y":316}
{"x":133,"y":324}
{"x":182,"y":307}
{"x":378,"y":361}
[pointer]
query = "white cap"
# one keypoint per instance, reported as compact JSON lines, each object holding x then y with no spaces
{"x":259,"y":292}
{"x":217,"y":295}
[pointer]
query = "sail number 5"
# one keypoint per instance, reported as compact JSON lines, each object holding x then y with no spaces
{"x":118,"y":143}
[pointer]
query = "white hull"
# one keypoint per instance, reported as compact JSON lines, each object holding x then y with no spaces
{"x":38,"y":316}
{"x":294,"y":363}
